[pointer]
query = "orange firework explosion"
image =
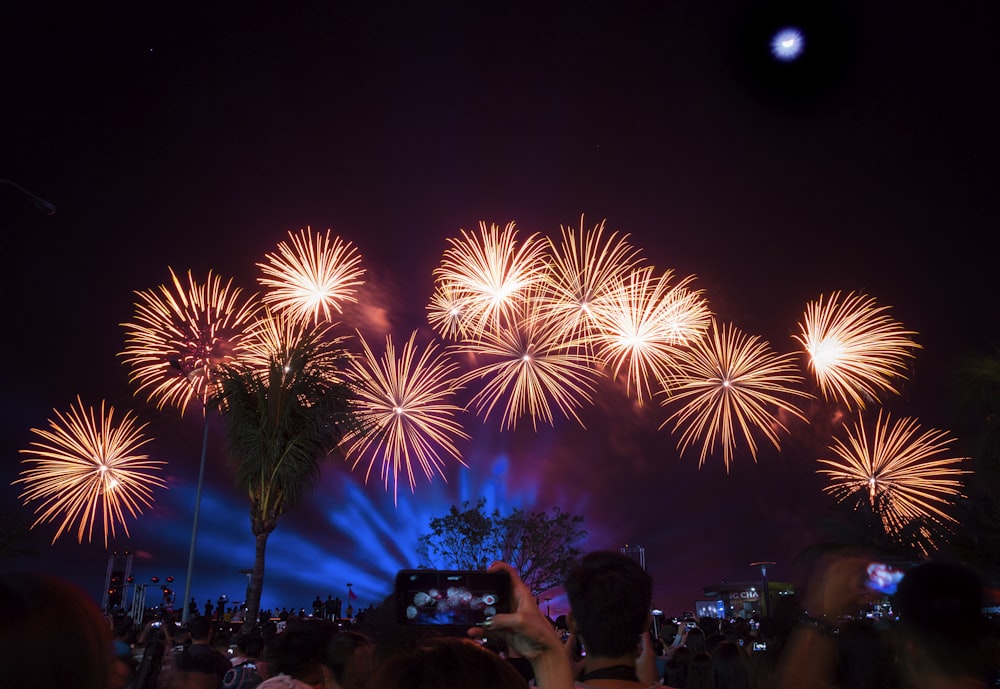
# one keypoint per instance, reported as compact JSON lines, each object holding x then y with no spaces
{"x":581,"y":269}
{"x":403,"y":403}
{"x":487,"y":273}
{"x":181,"y":336}
{"x":642,"y":326}
{"x":731,"y":382}
{"x":855,"y":349}
{"x":531,"y":366}
{"x":898,"y":470}
{"x":276,"y":338}
{"x":312,"y":275}
{"x":85,"y":464}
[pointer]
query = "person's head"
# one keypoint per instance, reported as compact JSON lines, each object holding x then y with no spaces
{"x":298,"y":650}
{"x":699,"y":674}
{"x":695,"y":640}
{"x":38,"y":608}
{"x":350,"y":656}
{"x":199,"y":628}
{"x":610,"y":598}
{"x":447,"y":663}
{"x":731,"y":668}
{"x":940,"y":619}
{"x":250,"y":645}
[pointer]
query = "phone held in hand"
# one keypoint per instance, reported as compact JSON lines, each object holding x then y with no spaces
{"x":450,"y":598}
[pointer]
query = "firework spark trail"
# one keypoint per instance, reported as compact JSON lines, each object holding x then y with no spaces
{"x":312,"y":275}
{"x":446,"y":312}
{"x":531,"y":366}
{"x":644,"y":324}
{"x":580,"y":270}
{"x":855,"y":348}
{"x":728,"y":382}
{"x":404,"y":402}
{"x":898,"y":469}
{"x":275,"y":336}
{"x":181,"y":334}
{"x":88,"y":463}
{"x":486,"y":273}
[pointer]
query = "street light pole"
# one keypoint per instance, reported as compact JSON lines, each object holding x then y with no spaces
{"x":194,"y":528}
{"x":766,"y":596}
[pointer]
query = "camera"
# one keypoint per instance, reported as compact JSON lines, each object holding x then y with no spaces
{"x":450,"y":598}
{"x":759,"y":646}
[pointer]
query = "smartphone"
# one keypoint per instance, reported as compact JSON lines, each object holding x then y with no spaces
{"x":883,"y":577}
{"x":156,"y":624}
{"x":759,"y":645}
{"x":450,"y":598}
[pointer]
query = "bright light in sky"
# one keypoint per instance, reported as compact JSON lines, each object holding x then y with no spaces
{"x":787,"y":44}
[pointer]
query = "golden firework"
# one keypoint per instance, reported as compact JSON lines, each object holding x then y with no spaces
{"x":404,"y":404}
{"x":643,"y":325}
{"x":181,"y":335}
{"x":86,"y":463}
{"x":581,"y":270}
{"x":730,"y":383}
{"x":855,"y":348}
{"x":313,"y":275}
{"x":530,"y":365}
{"x":275,"y":337}
{"x":446,"y":312}
{"x":903,"y":473}
{"x":486,"y":273}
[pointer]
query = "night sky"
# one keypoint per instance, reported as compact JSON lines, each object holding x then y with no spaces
{"x":197,"y":138}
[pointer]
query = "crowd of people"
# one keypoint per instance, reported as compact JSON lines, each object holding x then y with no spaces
{"x":937,"y":638}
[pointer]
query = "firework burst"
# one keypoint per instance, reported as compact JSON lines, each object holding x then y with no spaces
{"x":901,"y":472}
{"x":485,"y":274}
{"x":313,"y":275}
{"x":181,"y":335}
{"x":531,"y":366}
{"x":855,"y":348}
{"x":580,"y":271}
{"x":642,"y":326}
{"x":404,"y":404}
{"x":277,"y":336}
{"x":731,"y":383}
{"x":446,"y":312}
{"x":86,"y":463}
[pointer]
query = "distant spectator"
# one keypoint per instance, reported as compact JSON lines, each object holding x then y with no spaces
{"x":200,"y":660}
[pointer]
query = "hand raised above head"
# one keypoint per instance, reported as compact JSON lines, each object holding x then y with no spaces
{"x":527,"y":632}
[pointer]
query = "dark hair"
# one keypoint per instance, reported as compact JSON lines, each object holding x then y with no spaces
{"x":699,"y":674}
{"x":610,"y":596}
{"x":340,"y":652}
{"x":199,"y":627}
{"x":250,"y":644}
{"x":36,"y":607}
{"x":447,"y":663}
{"x":731,"y":668}
{"x":298,"y":651}
{"x":696,"y":641}
{"x":940,"y":608}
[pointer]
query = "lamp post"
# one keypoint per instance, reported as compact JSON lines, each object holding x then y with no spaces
{"x":197,"y":508}
{"x":766,"y":596}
